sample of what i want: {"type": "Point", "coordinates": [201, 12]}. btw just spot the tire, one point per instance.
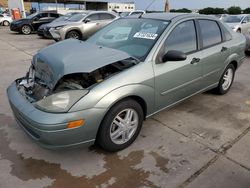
{"type": "Point", "coordinates": [238, 31]}
{"type": "Point", "coordinates": [108, 131]}
{"type": "Point", "coordinates": [6, 23]}
{"type": "Point", "coordinates": [26, 29]}
{"type": "Point", "coordinates": [224, 87]}
{"type": "Point", "coordinates": [74, 35]}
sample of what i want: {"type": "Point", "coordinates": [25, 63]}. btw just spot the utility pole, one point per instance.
{"type": "Point", "coordinates": [22, 9]}
{"type": "Point", "coordinates": [167, 6]}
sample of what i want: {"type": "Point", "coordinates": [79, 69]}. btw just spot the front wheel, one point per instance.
{"type": "Point", "coordinates": [26, 29]}
{"type": "Point", "coordinates": [121, 126]}
{"type": "Point", "coordinates": [74, 35]}
{"type": "Point", "coordinates": [6, 23]}
{"type": "Point", "coordinates": [226, 80]}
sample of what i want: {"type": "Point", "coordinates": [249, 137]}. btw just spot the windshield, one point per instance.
{"type": "Point", "coordinates": [233, 19]}
{"type": "Point", "coordinates": [131, 35]}
{"type": "Point", "coordinates": [65, 17]}
{"type": "Point", "coordinates": [32, 15]}
{"type": "Point", "coordinates": [77, 17]}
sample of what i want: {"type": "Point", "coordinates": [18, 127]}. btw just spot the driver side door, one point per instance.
{"type": "Point", "coordinates": [92, 25]}
{"type": "Point", "coordinates": [176, 80]}
{"type": "Point", "coordinates": [40, 19]}
{"type": "Point", "coordinates": [246, 25]}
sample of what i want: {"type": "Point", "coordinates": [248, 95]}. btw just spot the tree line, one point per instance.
{"type": "Point", "coordinates": [210, 10]}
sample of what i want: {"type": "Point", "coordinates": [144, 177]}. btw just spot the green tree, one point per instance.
{"type": "Point", "coordinates": [210, 10]}
{"type": "Point", "coordinates": [234, 10]}
{"type": "Point", "coordinates": [247, 11]}
{"type": "Point", "coordinates": [184, 10]}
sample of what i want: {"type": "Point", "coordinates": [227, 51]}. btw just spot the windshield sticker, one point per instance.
{"type": "Point", "coordinates": [151, 36]}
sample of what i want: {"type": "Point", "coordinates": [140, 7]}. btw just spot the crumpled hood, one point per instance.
{"type": "Point", "coordinates": [72, 56]}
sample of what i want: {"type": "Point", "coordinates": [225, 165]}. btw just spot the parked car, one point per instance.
{"type": "Point", "coordinates": [248, 43]}
{"type": "Point", "coordinates": [101, 90]}
{"type": "Point", "coordinates": [32, 22]}
{"type": "Point", "coordinates": [5, 20]}
{"type": "Point", "coordinates": [43, 30]}
{"type": "Point", "coordinates": [135, 12]}
{"type": "Point", "coordinates": [239, 23]}
{"type": "Point", "coordinates": [81, 26]}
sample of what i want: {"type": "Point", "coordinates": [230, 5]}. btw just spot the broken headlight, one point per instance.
{"type": "Point", "coordinates": [60, 102]}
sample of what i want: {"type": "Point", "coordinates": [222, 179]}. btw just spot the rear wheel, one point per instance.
{"type": "Point", "coordinates": [26, 29]}
{"type": "Point", "coordinates": [74, 35]}
{"type": "Point", "coordinates": [6, 23]}
{"type": "Point", "coordinates": [226, 80]}
{"type": "Point", "coordinates": [121, 126]}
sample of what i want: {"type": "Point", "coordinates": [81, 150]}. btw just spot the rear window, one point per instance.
{"type": "Point", "coordinates": [211, 33]}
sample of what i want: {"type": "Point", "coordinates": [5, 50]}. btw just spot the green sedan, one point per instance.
{"type": "Point", "coordinates": [101, 90]}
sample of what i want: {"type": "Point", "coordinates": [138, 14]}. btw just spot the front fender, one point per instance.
{"type": "Point", "coordinates": [143, 91]}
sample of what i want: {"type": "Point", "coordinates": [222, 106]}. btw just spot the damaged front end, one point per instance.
{"type": "Point", "coordinates": [60, 96]}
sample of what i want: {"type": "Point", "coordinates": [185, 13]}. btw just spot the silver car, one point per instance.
{"type": "Point", "coordinates": [101, 90]}
{"type": "Point", "coordinates": [5, 20]}
{"type": "Point", "coordinates": [239, 23]}
{"type": "Point", "coordinates": [82, 25]}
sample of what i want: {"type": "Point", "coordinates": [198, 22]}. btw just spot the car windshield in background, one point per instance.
{"type": "Point", "coordinates": [233, 19]}
{"type": "Point", "coordinates": [77, 17]}
{"type": "Point", "coordinates": [134, 36]}
{"type": "Point", "coordinates": [64, 18]}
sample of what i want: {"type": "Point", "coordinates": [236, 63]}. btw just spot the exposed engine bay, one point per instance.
{"type": "Point", "coordinates": [35, 89]}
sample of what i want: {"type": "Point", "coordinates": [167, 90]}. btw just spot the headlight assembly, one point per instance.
{"type": "Point", "coordinates": [60, 102]}
{"type": "Point", "coordinates": [59, 27]}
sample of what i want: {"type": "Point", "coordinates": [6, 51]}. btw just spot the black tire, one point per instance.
{"type": "Point", "coordinates": [6, 23]}
{"type": "Point", "coordinates": [104, 136]}
{"type": "Point", "coordinates": [220, 89]}
{"type": "Point", "coordinates": [74, 35]}
{"type": "Point", "coordinates": [238, 31]}
{"type": "Point", "coordinates": [26, 29]}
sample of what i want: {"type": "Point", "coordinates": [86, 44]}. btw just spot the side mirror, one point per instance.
{"type": "Point", "coordinates": [244, 22]}
{"type": "Point", "coordinates": [173, 55]}
{"type": "Point", "coordinates": [87, 20]}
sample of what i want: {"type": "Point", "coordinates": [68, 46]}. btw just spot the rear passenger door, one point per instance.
{"type": "Point", "coordinates": [215, 51]}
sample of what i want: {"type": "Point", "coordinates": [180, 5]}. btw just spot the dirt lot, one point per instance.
{"type": "Point", "coordinates": [203, 142]}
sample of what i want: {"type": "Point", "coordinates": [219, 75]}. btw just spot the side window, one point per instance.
{"type": "Point", "coordinates": [211, 33]}
{"type": "Point", "coordinates": [182, 38]}
{"type": "Point", "coordinates": [53, 15]}
{"type": "Point", "coordinates": [227, 34]}
{"type": "Point", "coordinates": [105, 16]}
{"type": "Point", "coordinates": [93, 17]}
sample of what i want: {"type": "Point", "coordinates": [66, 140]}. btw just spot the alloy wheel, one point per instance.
{"type": "Point", "coordinates": [124, 126]}
{"type": "Point", "coordinates": [227, 79]}
{"type": "Point", "coordinates": [26, 29]}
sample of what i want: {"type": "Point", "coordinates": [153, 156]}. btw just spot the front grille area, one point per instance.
{"type": "Point", "coordinates": [24, 123]}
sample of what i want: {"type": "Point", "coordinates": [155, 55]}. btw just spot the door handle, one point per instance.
{"type": "Point", "coordinates": [195, 61]}
{"type": "Point", "coordinates": [223, 49]}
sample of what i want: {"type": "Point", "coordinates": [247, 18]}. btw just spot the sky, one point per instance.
{"type": "Point", "coordinates": [192, 4]}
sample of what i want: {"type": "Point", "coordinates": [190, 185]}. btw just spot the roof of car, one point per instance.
{"type": "Point", "coordinates": [169, 16]}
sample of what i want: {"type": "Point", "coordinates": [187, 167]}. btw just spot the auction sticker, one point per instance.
{"type": "Point", "coordinates": [151, 36]}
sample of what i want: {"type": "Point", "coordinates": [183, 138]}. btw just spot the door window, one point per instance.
{"type": "Point", "coordinates": [105, 16]}
{"type": "Point", "coordinates": [210, 32]}
{"type": "Point", "coordinates": [93, 17]}
{"type": "Point", "coordinates": [53, 15]}
{"type": "Point", "coordinates": [182, 38]}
